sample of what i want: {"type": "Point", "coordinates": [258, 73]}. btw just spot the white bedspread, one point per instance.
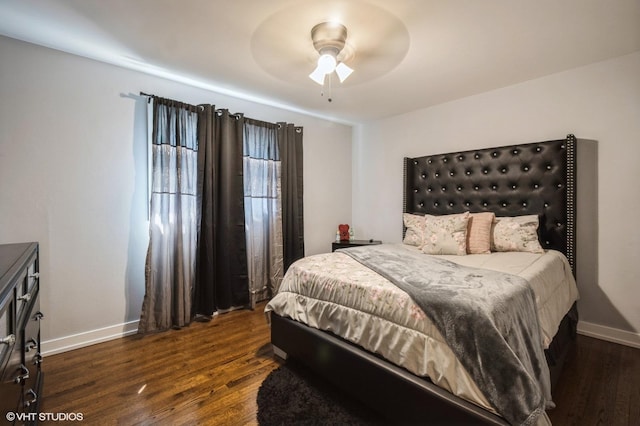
{"type": "Point", "coordinates": [333, 292]}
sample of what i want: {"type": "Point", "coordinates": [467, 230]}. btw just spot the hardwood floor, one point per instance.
{"type": "Point", "coordinates": [600, 386]}
{"type": "Point", "coordinates": [209, 373]}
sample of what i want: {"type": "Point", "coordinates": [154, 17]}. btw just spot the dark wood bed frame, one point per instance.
{"type": "Point", "coordinates": [534, 178]}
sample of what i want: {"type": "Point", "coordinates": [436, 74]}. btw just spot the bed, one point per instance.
{"type": "Point", "coordinates": [343, 317]}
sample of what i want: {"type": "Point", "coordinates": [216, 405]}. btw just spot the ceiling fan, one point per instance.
{"type": "Point", "coordinates": [288, 44]}
{"type": "Point", "coordinates": [329, 39]}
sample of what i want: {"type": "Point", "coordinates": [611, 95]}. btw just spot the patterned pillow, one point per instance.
{"type": "Point", "coordinates": [479, 233]}
{"type": "Point", "coordinates": [446, 234]}
{"type": "Point", "coordinates": [518, 233]}
{"type": "Point", "coordinates": [415, 228]}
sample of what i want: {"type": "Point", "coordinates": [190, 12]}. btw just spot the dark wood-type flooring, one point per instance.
{"type": "Point", "coordinates": [209, 373]}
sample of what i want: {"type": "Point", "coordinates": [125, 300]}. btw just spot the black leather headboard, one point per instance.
{"type": "Point", "coordinates": [533, 178]}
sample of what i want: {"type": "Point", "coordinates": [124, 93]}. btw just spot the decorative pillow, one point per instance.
{"type": "Point", "coordinates": [415, 228]}
{"type": "Point", "coordinates": [518, 233]}
{"type": "Point", "coordinates": [446, 234]}
{"type": "Point", "coordinates": [479, 233]}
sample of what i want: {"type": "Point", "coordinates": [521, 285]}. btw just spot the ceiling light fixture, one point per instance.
{"type": "Point", "coordinates": [329, 40]}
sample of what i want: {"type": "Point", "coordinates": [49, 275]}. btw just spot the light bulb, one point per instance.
{"type": "Point", "coordinates": [326, 63]}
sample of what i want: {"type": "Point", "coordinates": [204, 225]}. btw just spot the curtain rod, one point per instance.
{"type": "Point", "coordinates": [147, 95]}
{"type": "Point", "coordinates": [237, 115]}
{"type": "Point", "coordinates": [201, 107]}
{"type": "Point", "coordinates": [218, 111]}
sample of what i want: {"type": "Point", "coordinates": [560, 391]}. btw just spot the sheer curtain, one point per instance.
{"type": "Point", "coordinates": [222, 282]}
{"type": "Point", "coordinates": [173, 221]}
{"type": "Point", "coordinates": [263, 211]}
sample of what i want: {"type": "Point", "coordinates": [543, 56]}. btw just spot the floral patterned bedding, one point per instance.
{"type": "Point", "coordinates": [335, 293]}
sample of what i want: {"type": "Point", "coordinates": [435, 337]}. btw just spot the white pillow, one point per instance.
{"type": "Point", "coordinates": [518, 233]}
{"type": "Point", "coordinates": [446, 234]}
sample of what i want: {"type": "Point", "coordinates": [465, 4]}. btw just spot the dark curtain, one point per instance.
{"type": "Point", "coordinates": [290, 145]}
{"type": "Point", "coordinates": [221, 279]}
{"type": "Point", "coordinates": [173, 222]}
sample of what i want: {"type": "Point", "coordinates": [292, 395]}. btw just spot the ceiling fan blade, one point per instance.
{"type": "Point", "coordinates": [343, 71]}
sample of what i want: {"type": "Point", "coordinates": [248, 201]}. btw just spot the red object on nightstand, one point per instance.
{"type": "Point", "coordinates": [344, 232]}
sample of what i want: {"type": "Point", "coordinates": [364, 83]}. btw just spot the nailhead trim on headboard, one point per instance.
{"type": "Point", "coordinates": [533, 178]}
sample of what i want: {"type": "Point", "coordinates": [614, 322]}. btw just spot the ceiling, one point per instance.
{"type": "Point", "coordinates": [408, 54]}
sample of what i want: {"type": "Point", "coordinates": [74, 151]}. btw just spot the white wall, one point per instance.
{"type": "Point", "coordinates": [73, 177]}
{"type": "Point", "coordinates": [599, 102]}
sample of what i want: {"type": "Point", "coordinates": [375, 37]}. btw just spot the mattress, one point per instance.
{"type": "Point", "coordinates": [335, 293]}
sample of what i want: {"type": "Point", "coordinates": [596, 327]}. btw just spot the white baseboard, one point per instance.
{"type": "Point", "coordinates": [80, 340]}
{"type": "Point", "coordinates": [609, 334]}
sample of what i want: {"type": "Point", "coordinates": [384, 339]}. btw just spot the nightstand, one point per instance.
{"type": "Point", "coordinates": [353, 243]}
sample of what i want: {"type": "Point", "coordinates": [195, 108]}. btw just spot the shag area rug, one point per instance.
{"type": "Point", "coordinates": [293, 395]}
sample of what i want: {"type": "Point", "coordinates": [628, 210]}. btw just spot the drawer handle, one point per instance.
{"type": "Point", "coordinates": [37, 360]}
{"type": "Point", "coordinates": [9, 340]}
{"type": "Point", "coordinates": [38, 316]}
{"type": "Point", "coordinates": [30, 344]}
{"type": "Point", "coordinates": [25, 297]}
{"type": "Point", "coordinates": [34, 398]}
{"type": "Point", "coordinates": [35, 275]}
{"type": "Point", "coordinates": [22, 377]}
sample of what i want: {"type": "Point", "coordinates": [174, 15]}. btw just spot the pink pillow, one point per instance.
{"type": "Point", "coordinates": [479, 233]}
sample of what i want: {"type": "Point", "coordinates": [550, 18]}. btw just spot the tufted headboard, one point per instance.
{"type": "Point", "coordinates": [533, 178]}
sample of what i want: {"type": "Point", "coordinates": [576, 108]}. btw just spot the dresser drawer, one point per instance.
{"type": "Point", "coordinates": [20, 367]}
{"type": "Point", "coordinates": [33, 276]}
{"type": "Point", "coordinates": [27, 288]}
{"type": "Point", "coordinates": [31, 341]}
{"type": "Point", "coordinates": [32, 357]}
{"type": "Point", "coordinates": [9, 386]}
{"type": "Point", "coordinates": [8, 335]}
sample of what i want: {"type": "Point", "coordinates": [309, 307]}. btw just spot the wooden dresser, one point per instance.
{"type": "Point", "coordinates": [20, 358]}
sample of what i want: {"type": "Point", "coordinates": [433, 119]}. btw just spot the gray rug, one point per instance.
{"type": "Point", "coordinates": [292, 395]}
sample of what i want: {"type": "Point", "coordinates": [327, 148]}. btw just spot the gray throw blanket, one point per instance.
{"type": "Point", "coordinates": [488, 319]}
